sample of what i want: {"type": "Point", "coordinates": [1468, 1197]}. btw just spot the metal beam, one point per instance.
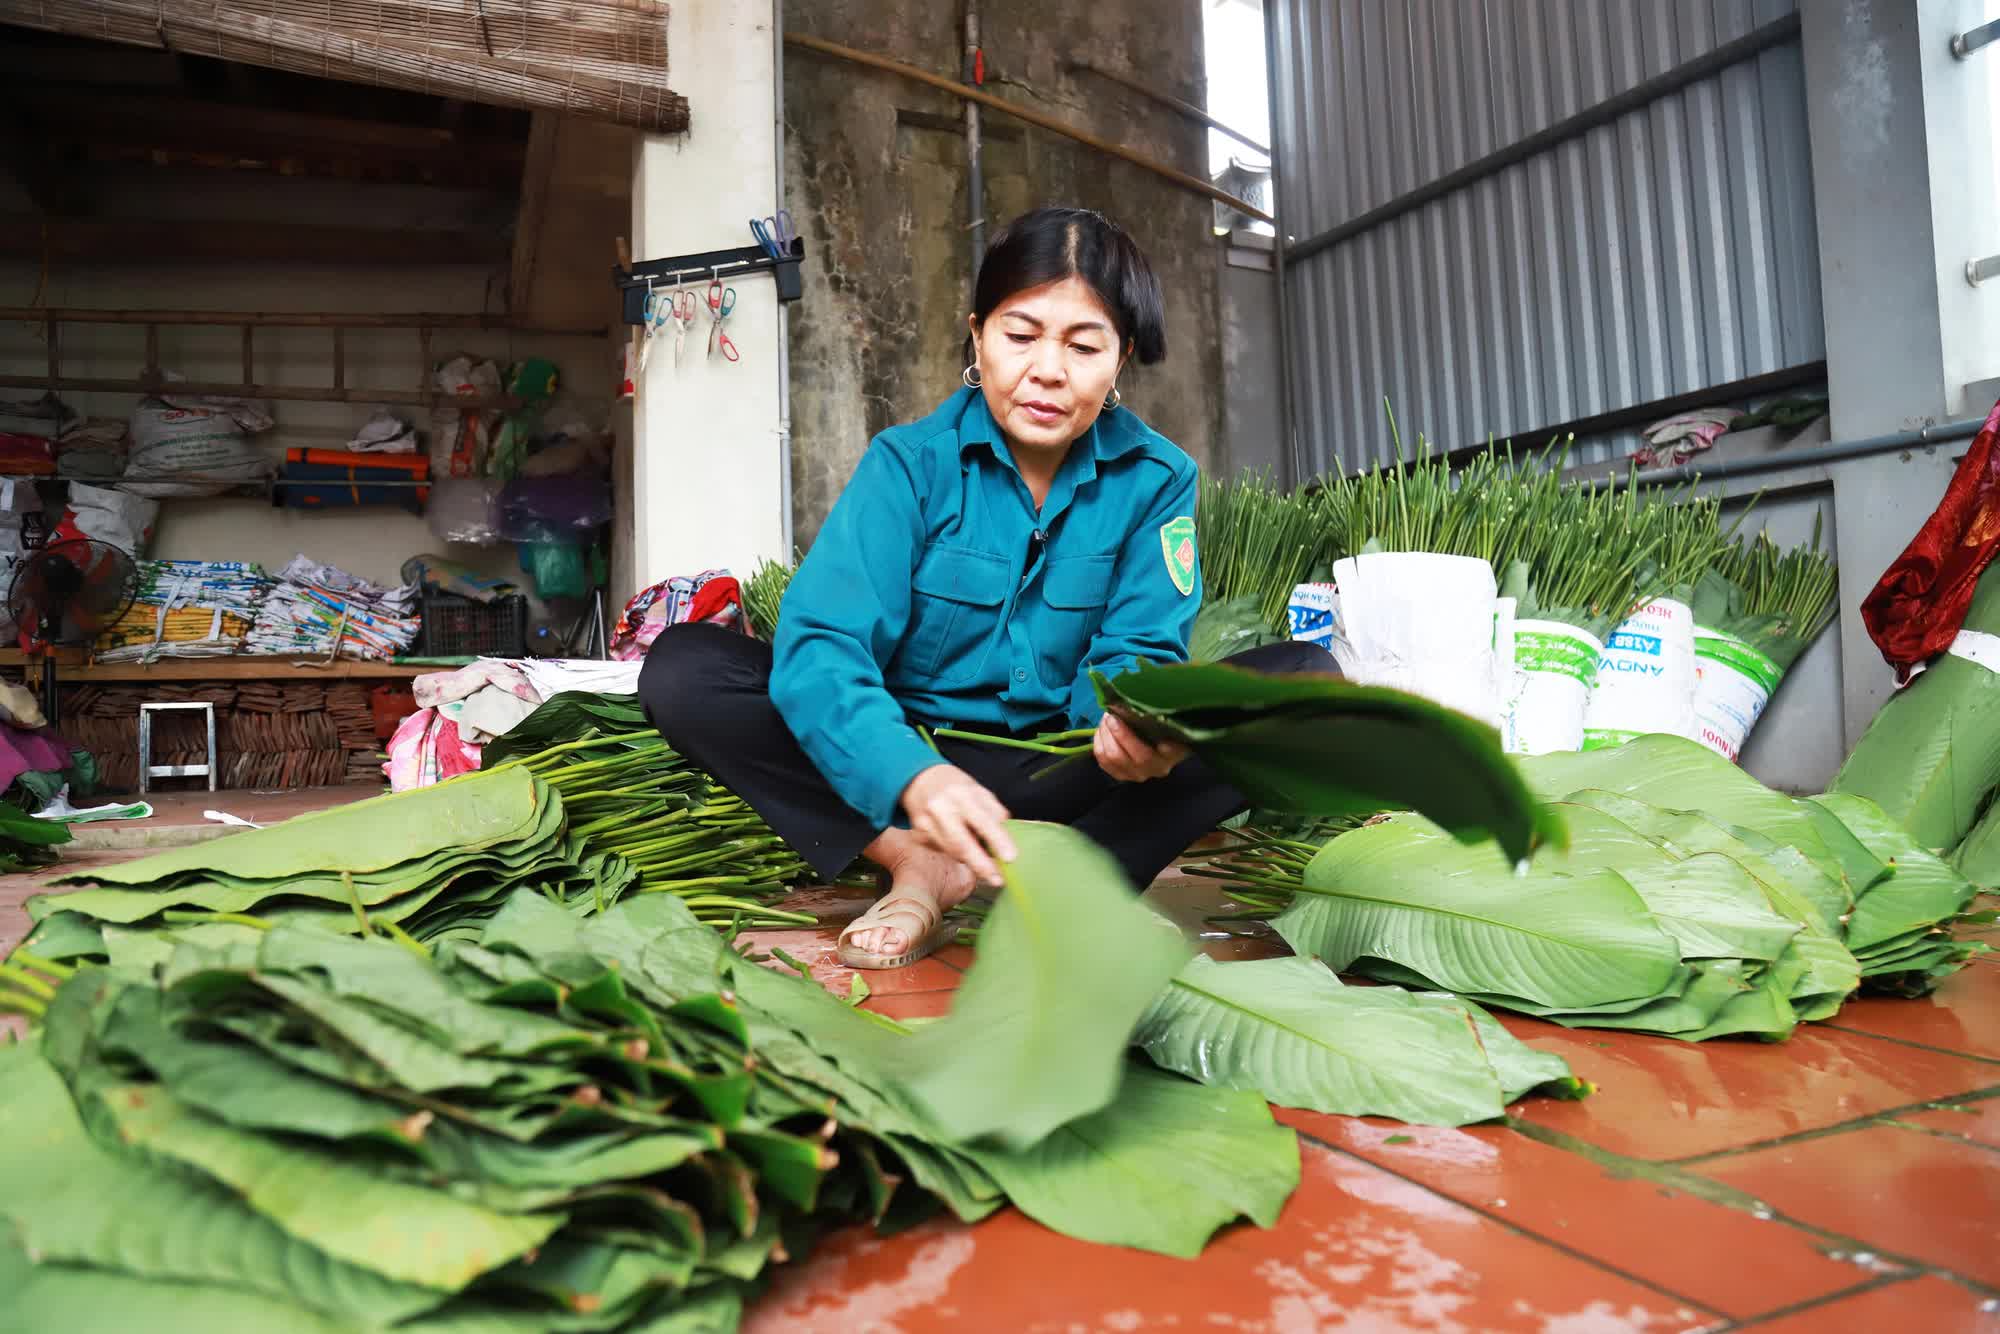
{"type": "Point", "coordinates": [1753, 43]}
{"type": "Point", "coordinates": [1168, 100]}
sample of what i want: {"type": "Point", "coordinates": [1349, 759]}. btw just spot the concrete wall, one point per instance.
{"type": "Point", "coordinates": [875, 172]}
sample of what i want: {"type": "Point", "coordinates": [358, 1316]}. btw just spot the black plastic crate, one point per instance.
{"type": "Point", "coordinates": [456, 627]}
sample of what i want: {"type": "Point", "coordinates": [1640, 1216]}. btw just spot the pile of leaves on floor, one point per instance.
{"type": "Point", "coordinates": [1692, 901]}
{"type": "Point", "coordinates": [605, 1124]}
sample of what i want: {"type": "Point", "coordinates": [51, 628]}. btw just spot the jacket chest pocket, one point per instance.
{"type": "Point", "coordinates": [957, 593]}
{"type": "Point", "coordinates": [1076, 590]}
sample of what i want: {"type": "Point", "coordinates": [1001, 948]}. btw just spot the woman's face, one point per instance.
{"type": "Point", "coordinates": [1047, 357]}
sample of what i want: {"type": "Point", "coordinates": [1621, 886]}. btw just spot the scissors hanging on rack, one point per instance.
{"type": "Point", "coordinates": [775, 234]}
{"type": "Point", "coordinates": [681, 310]}
{"type": "Point", "coordinates": [721, 303]}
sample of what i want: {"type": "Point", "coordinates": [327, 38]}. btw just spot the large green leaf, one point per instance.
{"type": "Point", "coordinates": [68, 1200]}
{"type": "Point", "coordinates": [1403, 890]}
{"type": "Point", "coordinates": [1922, 890]}
{"type": "Point", "coordinates": [401, 1231]}
{"type": "Point", "coordinates": [78, 1299]}
{"type": "Point", "coordinates": [1288, 1030]}
{"type": "Point", "coordinates": [1160, 1169]}
{"type": "Point", "coordinates": [1036, 1030]}
{"type": "Point", "coordinates": [1819, 970]}
{"type": "Point", "coordinates": [1683, 775]}
{"type": "Point", "coordinates": [1708, 902]}
{"type": "Point", "coordinates": [1322, 746]}
{"type": "Point", "coordinates": [475, 811]}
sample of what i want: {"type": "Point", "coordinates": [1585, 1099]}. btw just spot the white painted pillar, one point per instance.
{"type": "Point", "coordinates": [707, 487]}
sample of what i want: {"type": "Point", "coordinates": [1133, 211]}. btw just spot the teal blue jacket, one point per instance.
{"type": "Point", "coordinates": [936, 595]}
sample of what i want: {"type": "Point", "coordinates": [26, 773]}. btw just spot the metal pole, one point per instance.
{"type": "Point", "coordinates": [975, 171]}
{"type": "Point", "coordinates": [785, 515]}
{"type": "Point", "coordinates": [1287, 425]}
{"type": "Point", "coordinates": [1965, 43]}
{"type": "Point", "coordinates": [1978, 271]}
{"type": "Point", "coordinates": [1805, 458]}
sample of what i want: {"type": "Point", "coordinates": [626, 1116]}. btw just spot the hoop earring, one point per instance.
{"type": "Point", "coordinates": [970, 375]}
{"type": "Point", "coordinates": [1113, 399]}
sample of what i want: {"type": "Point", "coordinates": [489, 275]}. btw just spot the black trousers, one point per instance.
{"type": "Point", "coordinates": [708, 691]}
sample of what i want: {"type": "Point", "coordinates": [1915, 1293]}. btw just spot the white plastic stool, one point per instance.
{"type": "Point", "coordinates": [148, 771]}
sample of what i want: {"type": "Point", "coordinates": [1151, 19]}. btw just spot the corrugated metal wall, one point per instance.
{"type": "Point", "coordinates": [1670, 250]}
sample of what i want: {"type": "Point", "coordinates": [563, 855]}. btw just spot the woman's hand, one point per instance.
{"type": "Point", "coordinates": [1126, 757]}
{"type": "Point", "coordinates": [952, 812]}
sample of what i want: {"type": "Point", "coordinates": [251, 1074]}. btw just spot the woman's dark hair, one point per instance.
{"type": "Point", "coordinates": [1050, 244]}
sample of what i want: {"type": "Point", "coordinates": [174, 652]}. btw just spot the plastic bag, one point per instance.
{"type": "Point", "coordinates": [196, 447]}
{"type": "Point", "coordinates": [559, 568]}
{"type": "Point", "coordinates": [124, 520]}
{"type": "Point", "coordinates": [553, 509]}
{"type": "Point", "coordinates": [465, 510]}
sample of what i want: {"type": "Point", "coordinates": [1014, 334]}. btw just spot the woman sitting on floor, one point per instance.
{"type": "Point", "coordinates": [979, 566]}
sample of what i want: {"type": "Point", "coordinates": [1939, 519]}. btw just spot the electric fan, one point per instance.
{"type": "Point", "coordinates": [66, 594]}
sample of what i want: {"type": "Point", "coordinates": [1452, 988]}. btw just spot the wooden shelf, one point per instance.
{"type": "Point", "coordinates": [240, 668]}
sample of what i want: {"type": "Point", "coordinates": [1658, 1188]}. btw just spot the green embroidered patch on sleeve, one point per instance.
{"type": "Point", "coordinates": [1177, 546]}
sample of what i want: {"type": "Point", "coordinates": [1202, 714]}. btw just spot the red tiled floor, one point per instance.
{"type": "Point", "coordinates": [1929, 1304]}
{"type": "Point", "coordinates": [911, 1005]}
{"type": "Point", "coordinates": [1356, 1250]}
{"type": "Point", "coordinates": [818, 949]}
{"type": "Point", "coordinates": [1976, 1121]}
{"type": "Point", "coordinates": [1682, 1243]}
{"type": "Point", "coordinates": [1959, 1016]}
{"type": "Point", "coordinates": [1660, 1099]}
{"type": "Point", "coordinates": [1898, 1190]}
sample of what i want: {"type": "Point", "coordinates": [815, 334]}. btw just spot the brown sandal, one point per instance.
{"type": "Point", "coordinates": [920, 919]}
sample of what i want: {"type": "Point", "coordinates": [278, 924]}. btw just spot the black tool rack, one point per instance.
{"type": "Point", "coordinates": [652, 274]}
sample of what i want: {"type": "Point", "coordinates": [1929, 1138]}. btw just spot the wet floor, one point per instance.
{"type": "Point", "coordinates": [1848, 1179]}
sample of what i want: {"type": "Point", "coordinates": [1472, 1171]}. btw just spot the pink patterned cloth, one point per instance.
{"type": "Point", "coordinates": [426, 750]}
{"type": "Point", "coordinates": [713, 596]}
{"type": "Point", "coordinates": [438, 688]}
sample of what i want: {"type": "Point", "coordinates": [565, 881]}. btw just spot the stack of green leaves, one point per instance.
{"type": "Point", "coordinates": [420, 864]}
{"type": "Point", "coordinates": [631, 795]}
{"type": "Point", "coordinates": [603, 1124]}
{"type": "Point", "coordinates": [1835, 864]}
{"type": "Point", "coordinates": [1691, 900]}
{"type": "Point", "coordinates": [1931, 757]}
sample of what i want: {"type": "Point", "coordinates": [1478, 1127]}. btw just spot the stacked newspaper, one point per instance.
{"type": "Point", "coordinates": [186, 609]}
{"type": "Point", "coordinates": [320, 611]}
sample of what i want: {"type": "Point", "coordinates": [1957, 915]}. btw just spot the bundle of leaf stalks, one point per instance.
{"type": "Point", "coordinates": [419, 865]}
{"type": "Point", "coordinates": [1773, 600]}
{"type": "Point", "coordinates": [764, 596]}
{"type": "Point", "coordinates": [1258, 542]}
{"type": "Point", "coordinates": [632, 796]}
{"type": "Point", "coordinates": [1692, 901]}
{"type": "Point", "coordinates": [611, 1124]}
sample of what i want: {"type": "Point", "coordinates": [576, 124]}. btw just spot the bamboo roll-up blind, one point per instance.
{"type": "Point", "coordinates": [605, 59]}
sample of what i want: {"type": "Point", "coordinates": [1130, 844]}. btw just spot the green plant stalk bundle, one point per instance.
{"type": "Point", "coordinates": [1777, 601]}
{"type": "Point", "coordinates": [631, 795]}
{"type": "Point", "coordinates": [764, 596]}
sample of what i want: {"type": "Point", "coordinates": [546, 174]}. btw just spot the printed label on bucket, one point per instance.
{"type": "Point", "coordinates": [1646, 674]}
{"type": "Point", "coordinates": [1735, 683]}
{"type": "Point", "coordinates": [1554, 665]}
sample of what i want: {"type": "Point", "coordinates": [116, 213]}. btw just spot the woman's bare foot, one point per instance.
{"type": "Point", "coordinates": [915, 871]}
